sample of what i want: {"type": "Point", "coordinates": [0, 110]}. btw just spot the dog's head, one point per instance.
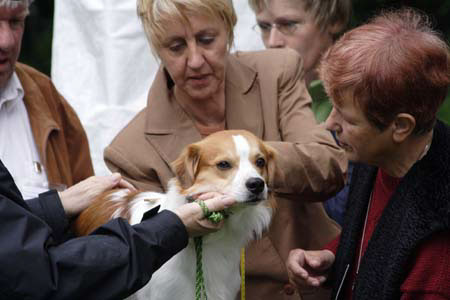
{"type": "Point", "coordinates": [234, 162]}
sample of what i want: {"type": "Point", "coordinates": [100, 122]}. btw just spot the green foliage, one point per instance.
{"type": "Point", "coordinates": [37, 39]}
{"type": "Point", "coordinates": [438, 10]}
{"type": "Point", "coordinates": [444, 112]}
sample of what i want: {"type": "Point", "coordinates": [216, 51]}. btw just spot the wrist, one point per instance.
{"type": "Point", "coordinates": [66, 203]}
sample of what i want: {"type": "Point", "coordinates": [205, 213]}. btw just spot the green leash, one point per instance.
{"type": "Point", "coordinates": [215, 217]}
{"type": "Point", "coordinates": [200, 290]}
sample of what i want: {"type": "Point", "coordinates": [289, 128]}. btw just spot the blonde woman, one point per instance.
{"type": "Point", "coordinates": [201, 88]}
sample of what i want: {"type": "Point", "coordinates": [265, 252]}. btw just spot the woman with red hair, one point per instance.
{"type": "Point", "coordinates": [387, 80]}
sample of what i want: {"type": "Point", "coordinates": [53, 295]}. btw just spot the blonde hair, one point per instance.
{"type": "Point", "coordinates": [326, 13]}
{"type": "Point", "coordinates": [155, 13]}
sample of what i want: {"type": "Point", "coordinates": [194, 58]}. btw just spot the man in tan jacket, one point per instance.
{"type": "Point", "coordinates": [42, 141]}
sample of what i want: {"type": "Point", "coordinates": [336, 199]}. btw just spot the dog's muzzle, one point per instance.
{"type": "Point", "coordinates": [255, 186]}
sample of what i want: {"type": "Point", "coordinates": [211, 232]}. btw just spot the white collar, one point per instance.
{"type": "Point", "coordinates": [12, 91]}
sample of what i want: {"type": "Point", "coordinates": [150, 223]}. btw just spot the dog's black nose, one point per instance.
{"type": "Point", "coordinates": [255, 185]}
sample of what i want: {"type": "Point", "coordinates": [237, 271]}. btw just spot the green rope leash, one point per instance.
{"type": "Point", "coordinates": [200, 290]}
{"type": "Point", "coordinates": [215, 217]}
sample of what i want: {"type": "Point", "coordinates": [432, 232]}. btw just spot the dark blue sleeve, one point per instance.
{"type": "Point", "coordinates": [113, 262]}
{"type": "Point", "coordinates": [335, 206]}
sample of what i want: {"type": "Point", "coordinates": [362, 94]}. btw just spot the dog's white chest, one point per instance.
{"type": "Point", "coordinates": [220, 259]}
{"type": "Point", "coordinates": [176, 279]}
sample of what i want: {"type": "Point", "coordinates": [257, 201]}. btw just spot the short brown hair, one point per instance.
{"type": "Point", "coordinates": [326, 13]}
{"type": "Point", "coordinates": [394, 64]}
{"type": "Point", "coordinates": [154, 13]}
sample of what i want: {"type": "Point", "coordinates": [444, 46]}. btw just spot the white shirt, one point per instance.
{"type": "Point", "coordinates": [18, 149]}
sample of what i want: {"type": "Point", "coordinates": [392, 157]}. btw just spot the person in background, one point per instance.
{"type": "Point", "coordinates": [309, 27]}
{"type": "Point", "coordinates": [112, 263]}
{"type": "Point", "coordinates": [387, 80]}
{"type": "Point", "coordinates": [42, 141]}
{"type": "Point", "coordinates": [202, 88]}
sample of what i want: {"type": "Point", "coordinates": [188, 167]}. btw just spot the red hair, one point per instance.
{"type": "Point", "coordinates": [394, 64]}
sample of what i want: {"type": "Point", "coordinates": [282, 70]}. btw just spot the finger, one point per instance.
{"type": "Point", "coordinates": [125, 184]}
{"type": "Point", "coordinates": [313, 261]}
{"type": "Point", "coordinates": [318, 260]}
{"type": "Point", "coordinates": [219, 203]}
{"type": "Point", "coordinates": [297, 270]}
{"type": "Point", "coordinates": [115, 177]}
{"type": "Point", "coordinates": [296, 261]}
{"type": "Point", "coordinates": [208, 195]}
{"type": "Point", "coordinates": [321, 279]}
{"type": "Point", "coordinates": [297, 282]}
{"type": "Point", "coordinates": [316, 280]}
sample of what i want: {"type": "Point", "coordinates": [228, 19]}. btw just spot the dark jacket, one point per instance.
{"type": "Point", "coordinates": [418, 208]}
{"type": "Point", "coordinates": [113, 262]}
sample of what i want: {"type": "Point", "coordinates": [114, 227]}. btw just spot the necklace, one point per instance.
{"type": "Point", "coordinates": [362, 240]}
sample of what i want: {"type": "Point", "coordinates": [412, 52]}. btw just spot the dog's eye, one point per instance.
{"type": "Point", "coordinates": [223, 165]}
{"type": "Point", "coordinates": [260, 162]}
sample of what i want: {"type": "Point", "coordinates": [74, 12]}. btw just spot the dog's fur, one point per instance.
{"type": "Point", "coordinates": [233, 162]}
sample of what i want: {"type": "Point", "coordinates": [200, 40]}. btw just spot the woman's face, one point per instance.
{"type": "Point", "coordinates": [360, 140]}
{"type": "Point", "coordinates": [194, 54]}
{"type": "Point", "coordinates": [307, 38]}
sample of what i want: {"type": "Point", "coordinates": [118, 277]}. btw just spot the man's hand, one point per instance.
{"type": "Point", "coordinates": [192, 214]}
{"type": "Point", "coordinates": [76, 198]}
{"type": "Point", "coordinates": [308, 268]}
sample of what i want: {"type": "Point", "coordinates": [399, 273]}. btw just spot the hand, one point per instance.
{"type": "Point", "coordinates": [308, 268]}
{"type": "Point", "coordinates": [192, 214]}
{"type": "Point", "coordinates": [76, 198]}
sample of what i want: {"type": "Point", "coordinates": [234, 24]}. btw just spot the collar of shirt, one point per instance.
{"type": "Point", "coordinates": [13, 91]}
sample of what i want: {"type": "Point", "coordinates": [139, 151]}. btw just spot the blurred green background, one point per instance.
{"type": "Point", "coordinates": [37, 40]}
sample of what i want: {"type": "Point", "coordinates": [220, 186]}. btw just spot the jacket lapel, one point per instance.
{"type": "Point", "coordinates": [168, 128]}
{"type": "Point", "coordinates": [41, 121]}
{"type": "Point", "coordinates": [243, 99]}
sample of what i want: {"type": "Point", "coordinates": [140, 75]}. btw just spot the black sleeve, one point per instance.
{"type": "Point", "coordinates": [111, 263]}
{"type": "Point", "coordinates": [49, 208]}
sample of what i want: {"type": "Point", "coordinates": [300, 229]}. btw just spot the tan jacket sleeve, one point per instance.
{"type": "Point", "coordinates": [309, 160]}
{"type": "Point", "coordinates": [117, 161]}
{"type": "Point", "coordinates": [131, 155]}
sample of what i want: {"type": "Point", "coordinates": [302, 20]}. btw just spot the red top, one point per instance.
{"type": "Point", "coordinates": [429, 278]}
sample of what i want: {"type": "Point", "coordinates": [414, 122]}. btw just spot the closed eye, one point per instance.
{"type": "Point", "coordinates": [223, 165]}
{"type": "Point", "coordinates": [264, 26]}
{"type": "Point", "coordinates": [177, 47]}
{"type": "Point", "coordinates": [206, 40]}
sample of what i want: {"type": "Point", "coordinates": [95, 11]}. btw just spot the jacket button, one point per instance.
{"type": "Point", "coordinates": [289, 289]}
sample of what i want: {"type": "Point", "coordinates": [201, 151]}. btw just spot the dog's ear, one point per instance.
{"type": "Point", "coordinates": [272, 167]}
{"type": "Point", "coordinates": [186, 164]}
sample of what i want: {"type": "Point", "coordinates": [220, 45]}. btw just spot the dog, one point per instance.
{"type": "Point", "coordinates": [233, 162]}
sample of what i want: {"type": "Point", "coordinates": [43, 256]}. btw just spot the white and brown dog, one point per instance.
{"type": "Point", "coordinates": [233, 162]}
